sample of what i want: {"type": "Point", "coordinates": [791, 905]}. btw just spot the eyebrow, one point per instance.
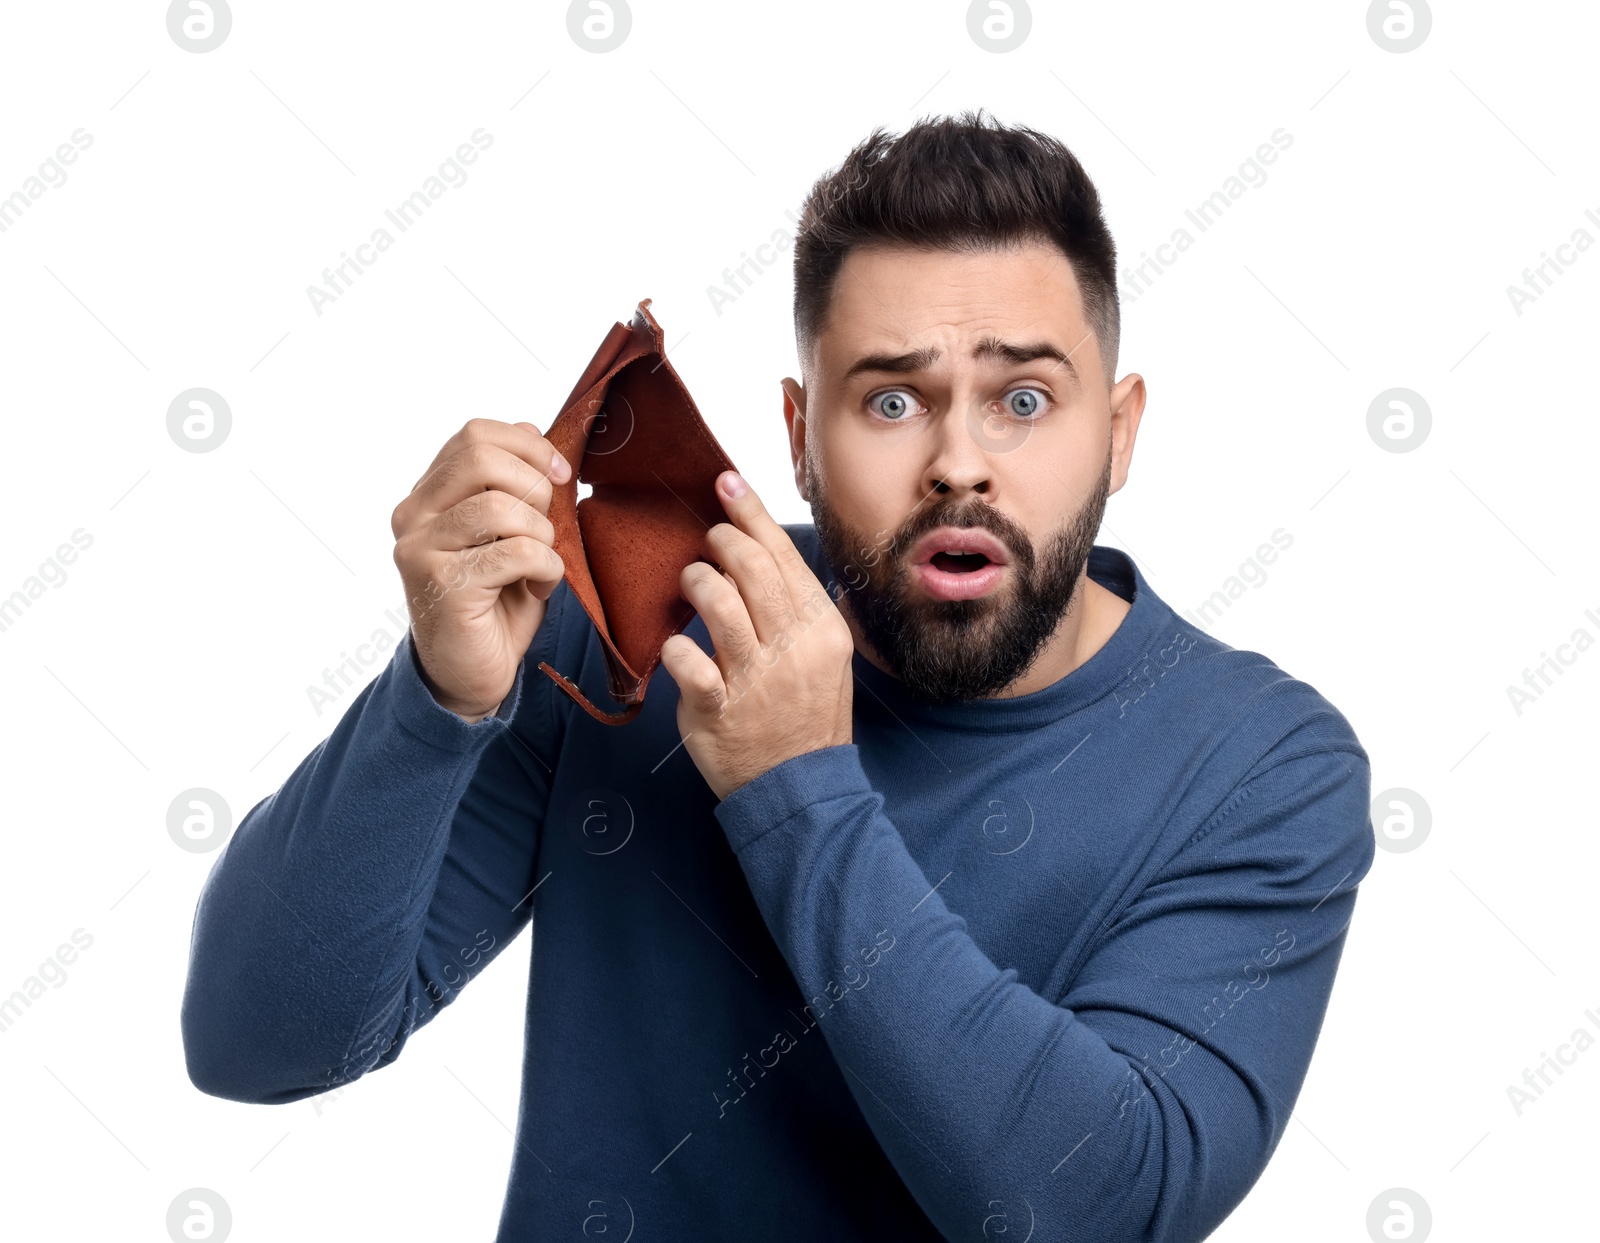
{"type": "Point", "coordinates": [989, 347]}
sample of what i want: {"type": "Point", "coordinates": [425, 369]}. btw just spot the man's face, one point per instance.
{"type": "Point", "coordinates": [957, 443]}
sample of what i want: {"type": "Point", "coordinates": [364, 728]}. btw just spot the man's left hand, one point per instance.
{"type": "Point", "coordinates": [781, 683]}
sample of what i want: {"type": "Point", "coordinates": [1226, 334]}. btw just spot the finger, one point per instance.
{"type": "Point", "coordinates": [756, 577]}
{"type": "Point", "coordinates": [745, 510]}
{"type": "Point", "coordinates": [483, 516]}
{"type": "Point", "coordinates": [469, 452]}
{"type": "Point", "coordinates": [522, 439]}
{"type": "Point", "coordinates": [499, 563]}
{"type": "Point", "coordinates": [721, 606]}
{"type": "Point", "coordinates": [474, 470]}
{"type": "Point", "coordinates": [700, 684]}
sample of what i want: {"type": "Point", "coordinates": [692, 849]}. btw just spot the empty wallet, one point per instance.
{"type": "Point", "coordinates": [632, 433]}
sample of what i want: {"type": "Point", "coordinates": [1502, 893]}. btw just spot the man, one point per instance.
{"type": "Point", "coordinates": [962, 889]}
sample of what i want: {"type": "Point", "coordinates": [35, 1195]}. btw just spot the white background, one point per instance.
{"type": "Point", "coordinates": [219, 585]}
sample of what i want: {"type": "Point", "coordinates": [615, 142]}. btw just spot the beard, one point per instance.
{"type": "Point", "coordinates": [959, 649]}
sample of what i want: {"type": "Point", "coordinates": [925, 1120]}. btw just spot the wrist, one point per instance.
{"type": "Point", "coordinates": [470, 713]}
{"type": "Point", "coordinates": [472, 718]}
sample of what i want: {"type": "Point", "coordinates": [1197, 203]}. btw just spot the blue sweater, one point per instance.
{"type": "Point", "coordinates": [1050, 966]}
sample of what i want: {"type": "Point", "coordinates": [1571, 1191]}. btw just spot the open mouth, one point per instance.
{"type": "Point", "coordinates": [959, 562]}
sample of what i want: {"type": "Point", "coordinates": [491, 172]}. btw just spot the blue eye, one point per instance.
{"type": "Point", "coordinates": [895, 404]}
{"type": "Point", "coordinates": [1024, 402]}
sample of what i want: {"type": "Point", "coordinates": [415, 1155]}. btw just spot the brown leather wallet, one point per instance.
{"type": "Point", "coordinates": [631, 432]}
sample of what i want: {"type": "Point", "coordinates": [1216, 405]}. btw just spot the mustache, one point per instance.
{"type": "Point", "coordinates": [980, 514]}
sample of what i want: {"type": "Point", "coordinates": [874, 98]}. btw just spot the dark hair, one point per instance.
{"type": "Point", "coordinates": [965, 183]}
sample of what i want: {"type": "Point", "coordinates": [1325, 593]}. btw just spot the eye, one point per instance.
{"type": "Point", "coordinates": [893, 405]}
{"type": "Point", "coordinates": [1025, 403]}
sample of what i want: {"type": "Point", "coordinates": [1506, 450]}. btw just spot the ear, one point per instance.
{"type": "Point", "coordinates": [1127, 408]}
{"type": "Point", "coordinates": [794, 418]}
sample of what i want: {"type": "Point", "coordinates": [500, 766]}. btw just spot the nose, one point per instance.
{"type": "Point", "coordinates": [957, 464]}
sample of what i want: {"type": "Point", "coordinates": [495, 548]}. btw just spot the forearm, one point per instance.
{"type": "Point", "coordinates": [303, 961]}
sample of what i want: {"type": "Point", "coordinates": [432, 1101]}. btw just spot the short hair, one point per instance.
{"type": "Point", "coordinates": [964, 183]}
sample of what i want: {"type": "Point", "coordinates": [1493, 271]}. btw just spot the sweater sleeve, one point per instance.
{"type": "Point", "coordinates": [356, 901]}
{"type": "Point", "coordinates": [1143, 1103]}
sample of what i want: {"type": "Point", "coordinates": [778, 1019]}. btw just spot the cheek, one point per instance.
{"type": "Point", "coordinates": [1062, 461]}
{"type": "Point", "coordinates": [871, 484]}
{"type": "Point", "coordinates": [1042, 494]}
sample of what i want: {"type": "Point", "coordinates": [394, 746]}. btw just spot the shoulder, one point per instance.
{"type": "Point", "coordinates": [1296, 790]}
{"type": "Point", "coordinates": [1275, 770]}
{"type": "Point", "coordinates": [1283, 715]}
{"type": "Point", "coordinates": [1244, 699]}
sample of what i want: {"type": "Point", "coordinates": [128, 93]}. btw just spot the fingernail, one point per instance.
{"type": "Point", "coordinates": [560, 468]}
{"type": "Point", "coordinates": [733, 485]}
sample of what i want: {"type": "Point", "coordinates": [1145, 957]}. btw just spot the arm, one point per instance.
{"type": "Point", "coordinates": [1134, 1107]}
{"type": "Point", "coordinates": [354, 903]}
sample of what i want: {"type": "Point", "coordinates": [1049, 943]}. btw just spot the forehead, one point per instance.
{"type": "Point", "coordinates": [903, 296]}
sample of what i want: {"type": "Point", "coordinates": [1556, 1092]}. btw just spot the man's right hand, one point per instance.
{"type": "Point", "coordinates": [475, 552]}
